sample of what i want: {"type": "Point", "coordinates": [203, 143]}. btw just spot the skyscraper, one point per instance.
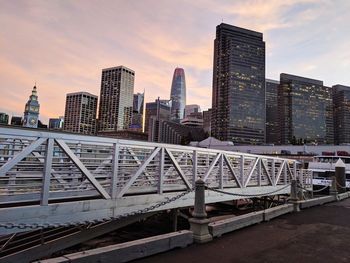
{"type": "Point", "coordinates": [305, 110]}
{"type": "Point", "coordinates": [80, 113]}
{"type": "Point", "coordinates": [116, 99]}
{"type": "Point", "coordinates": [137, 111]}
{"type": "Point", "coordinates": [178, 95]}
{"type": "Point", "coordinates": [341, 102]}
{"type": "Point", "coordinates": [4, 118]}
{"type": "Point", "coordinates": [272, 121]}
{"type": "Point", "coordinates": [31, 111]}
{"type": "Point", "coordinates": [238, 102]}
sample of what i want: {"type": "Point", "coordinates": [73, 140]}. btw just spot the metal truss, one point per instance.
{"type": "Point", "coordinates": [52, 177]}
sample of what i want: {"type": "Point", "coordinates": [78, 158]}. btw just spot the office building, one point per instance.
{"type": "Point", "coordinates": [31, 110]}
{"type": "Point", "coordinates": [16, 121]}
{"type": "Point", "coordinates": [56, 123]}
{"type": "Point", "coordinates": [305, 111]}
{"type": "Point", "coordinates": [178, 95]}
{"type": "Point", "coordinates": [116, 99]}
{"type": "Point", "coordinates": [192, 109]}
{"type": "Point", "coordinates": [272, 121]}
{"type": "Point", "coordinates": [4, 118]}
{"type": "Point", "coordinates": [238, 102]}
{"type": "Point", "coordinates": [341, 102]}
{"type": "Point", "coordinates": [80, 113]}
{"type": "Point", "coordinates": [207, 121]}
{"type": "Point", "coordinates": [137, 112]}
{"type": "Point", "coordinates": [159, 109]}
{"type": "Point", "coordinates": [174, 133]}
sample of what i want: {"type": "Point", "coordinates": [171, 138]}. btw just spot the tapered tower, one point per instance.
{"type": "Point", "coordinates": [178, 95]}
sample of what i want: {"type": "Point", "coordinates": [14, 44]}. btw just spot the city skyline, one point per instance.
{"type": "Point", "coordinates": [59, 46]}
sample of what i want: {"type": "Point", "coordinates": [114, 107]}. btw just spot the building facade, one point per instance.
{"type": "Point", "coordinates": [4, 118]}
{"type": "Point", "coordinates": [137, 112]}
{"type": "Point", "coordinates": [158, 110]}
{"type": "Point", "coordinates": [272, 121]}
{"type": "Point", "coordinates": [192, 109]}
{"type": "Point", "coordinates": [341, 102]}
{"type": "Point", "coordinates": [174, 133]}
{"type": "Point", "coordinates": [305, 111]}
{"type": "Point", "coordinates": [56, 123]}
{"type": "Point", "coordinates": [80, 113]}
{"type": "Point", "coordinates": [116, 99]}
{"type": "Point", "coordinates": [207, 121]}
{"type": "Point", "coordinates": [31, 110]}
{"type": "Point", "coordinates": [178, 95]}
{"type": "Point", "coordinates": [238, 102]}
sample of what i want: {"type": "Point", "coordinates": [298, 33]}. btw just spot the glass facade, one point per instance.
{"type": "Point", "coordinates": [272, 123]}
{"type": "Point", "coordinates": [178, 95]}
{"type": "Point", "coordinates": [306, 111]}
{"type": "Point", "coordinates": [341, 102]}
{"type": "Point", "coordinates": [238, 102]}
{"type": "Point", "coordinates": [116, 99]}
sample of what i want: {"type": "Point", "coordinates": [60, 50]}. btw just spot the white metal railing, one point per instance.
{"type": "Point", "coordinates": [44, 166]}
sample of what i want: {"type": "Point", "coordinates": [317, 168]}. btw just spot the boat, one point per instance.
{"type": "Point", "coordinates": [323, 168]}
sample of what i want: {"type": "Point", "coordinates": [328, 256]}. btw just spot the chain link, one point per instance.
{"type": "Point", "coordinates": [246, 195]}
{"type": "Point", "coordinates": [312, 191]}
{"type": "Point", "coordinates": [95, 221]}
{"type": "Point", "coordinates": [340, 186]}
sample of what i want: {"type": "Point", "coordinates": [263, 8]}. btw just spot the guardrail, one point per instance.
{"type": "Point", "coordinates": [42, 166]}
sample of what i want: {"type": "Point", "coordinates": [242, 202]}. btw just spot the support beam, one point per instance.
{"type": "Point", "coordinates": [238, 182]}
{"type": "Point", "coordinates": [267, 172]}
{"type": "Point", "coordinates": [45, 190]}
{"type": "Point", "coordinates": [178, 169]}
{"type": "Point", "coordinates": [251, 172]}
{"type": "Point", "coordinates": [82, 168]}
{"type": "Point", "coordinates": [161, 171]}
{"type": "Point", "coordinates": [138, 172]}
{"type": "Point", "coordinates": [115, 167]}
{"type": "Point", "coordinates": [212, 165]}
{"type": "Point", "coordinates": [20, 156]}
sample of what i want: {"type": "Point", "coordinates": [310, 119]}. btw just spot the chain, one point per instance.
{"type": "Point", "coordinates": [340, 186]}
{"type": "Point", "coordinates": [246, 195]}
{"type": "Point", "coordinates": [96, 221]}
{"type": "Point", "coordinates": [313, 191]}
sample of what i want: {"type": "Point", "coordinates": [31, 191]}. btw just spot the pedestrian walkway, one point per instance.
{"type": "Point", "coordinates": [318, 234]}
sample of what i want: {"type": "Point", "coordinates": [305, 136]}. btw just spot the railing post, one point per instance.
{"type": "Point", "coordinates": [195, 167]}
{"type": "Point", "coordinates": [45, 190]}
{"type": "Point", "coordinates": [273, 172]}
{"type": "Point", "coordinates": [333, 187]}
{"type": "Point", "coordinates": [199, 222]}
{"type": "Point", "coordinates": [161, 171]}
{"type": "Point", "coordinates": [115, 167]}
{"type": "Point", "coordinates": [221, 172]}
{"type": "Point", "coordinates": [242, 170]}
{"type": "Point", "coordinates": [259, 171]}
{"type": "Point", "coordinates": [340, 179]}
{"type": "Point", "coordinates": [294, 195]}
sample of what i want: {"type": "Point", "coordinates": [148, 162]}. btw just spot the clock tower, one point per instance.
{"type": "Point", "coordinates": [31, 111]}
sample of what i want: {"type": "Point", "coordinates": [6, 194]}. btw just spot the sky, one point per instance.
{"type": "Point", "coordinates": [62, 45]}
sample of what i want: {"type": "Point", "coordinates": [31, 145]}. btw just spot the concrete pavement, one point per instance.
{"type": "Point", "coordinates": [318, 234]}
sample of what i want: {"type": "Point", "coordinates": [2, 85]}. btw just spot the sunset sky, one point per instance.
{"type": "Point", "coordinates": [63, 45]}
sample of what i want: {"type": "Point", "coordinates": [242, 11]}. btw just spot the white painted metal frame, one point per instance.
{"type": "Point", "coordinates": [46, 167]}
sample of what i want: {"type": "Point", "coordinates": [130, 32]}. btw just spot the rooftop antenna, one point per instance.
{"type": "Point", "coordinates": [222, 20]}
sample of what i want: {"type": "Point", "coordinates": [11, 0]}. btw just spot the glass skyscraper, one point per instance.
{"type": "Point", "coordinates": [341, 101]}
{"type": "Point", "coordinates": [178, 95]}
{"type": "Point", "coordinates": [306, 111]}
{"type": "Point", "coordinates": [238, 102]}
{"type": "Point", "coordinates": [272, 123]}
